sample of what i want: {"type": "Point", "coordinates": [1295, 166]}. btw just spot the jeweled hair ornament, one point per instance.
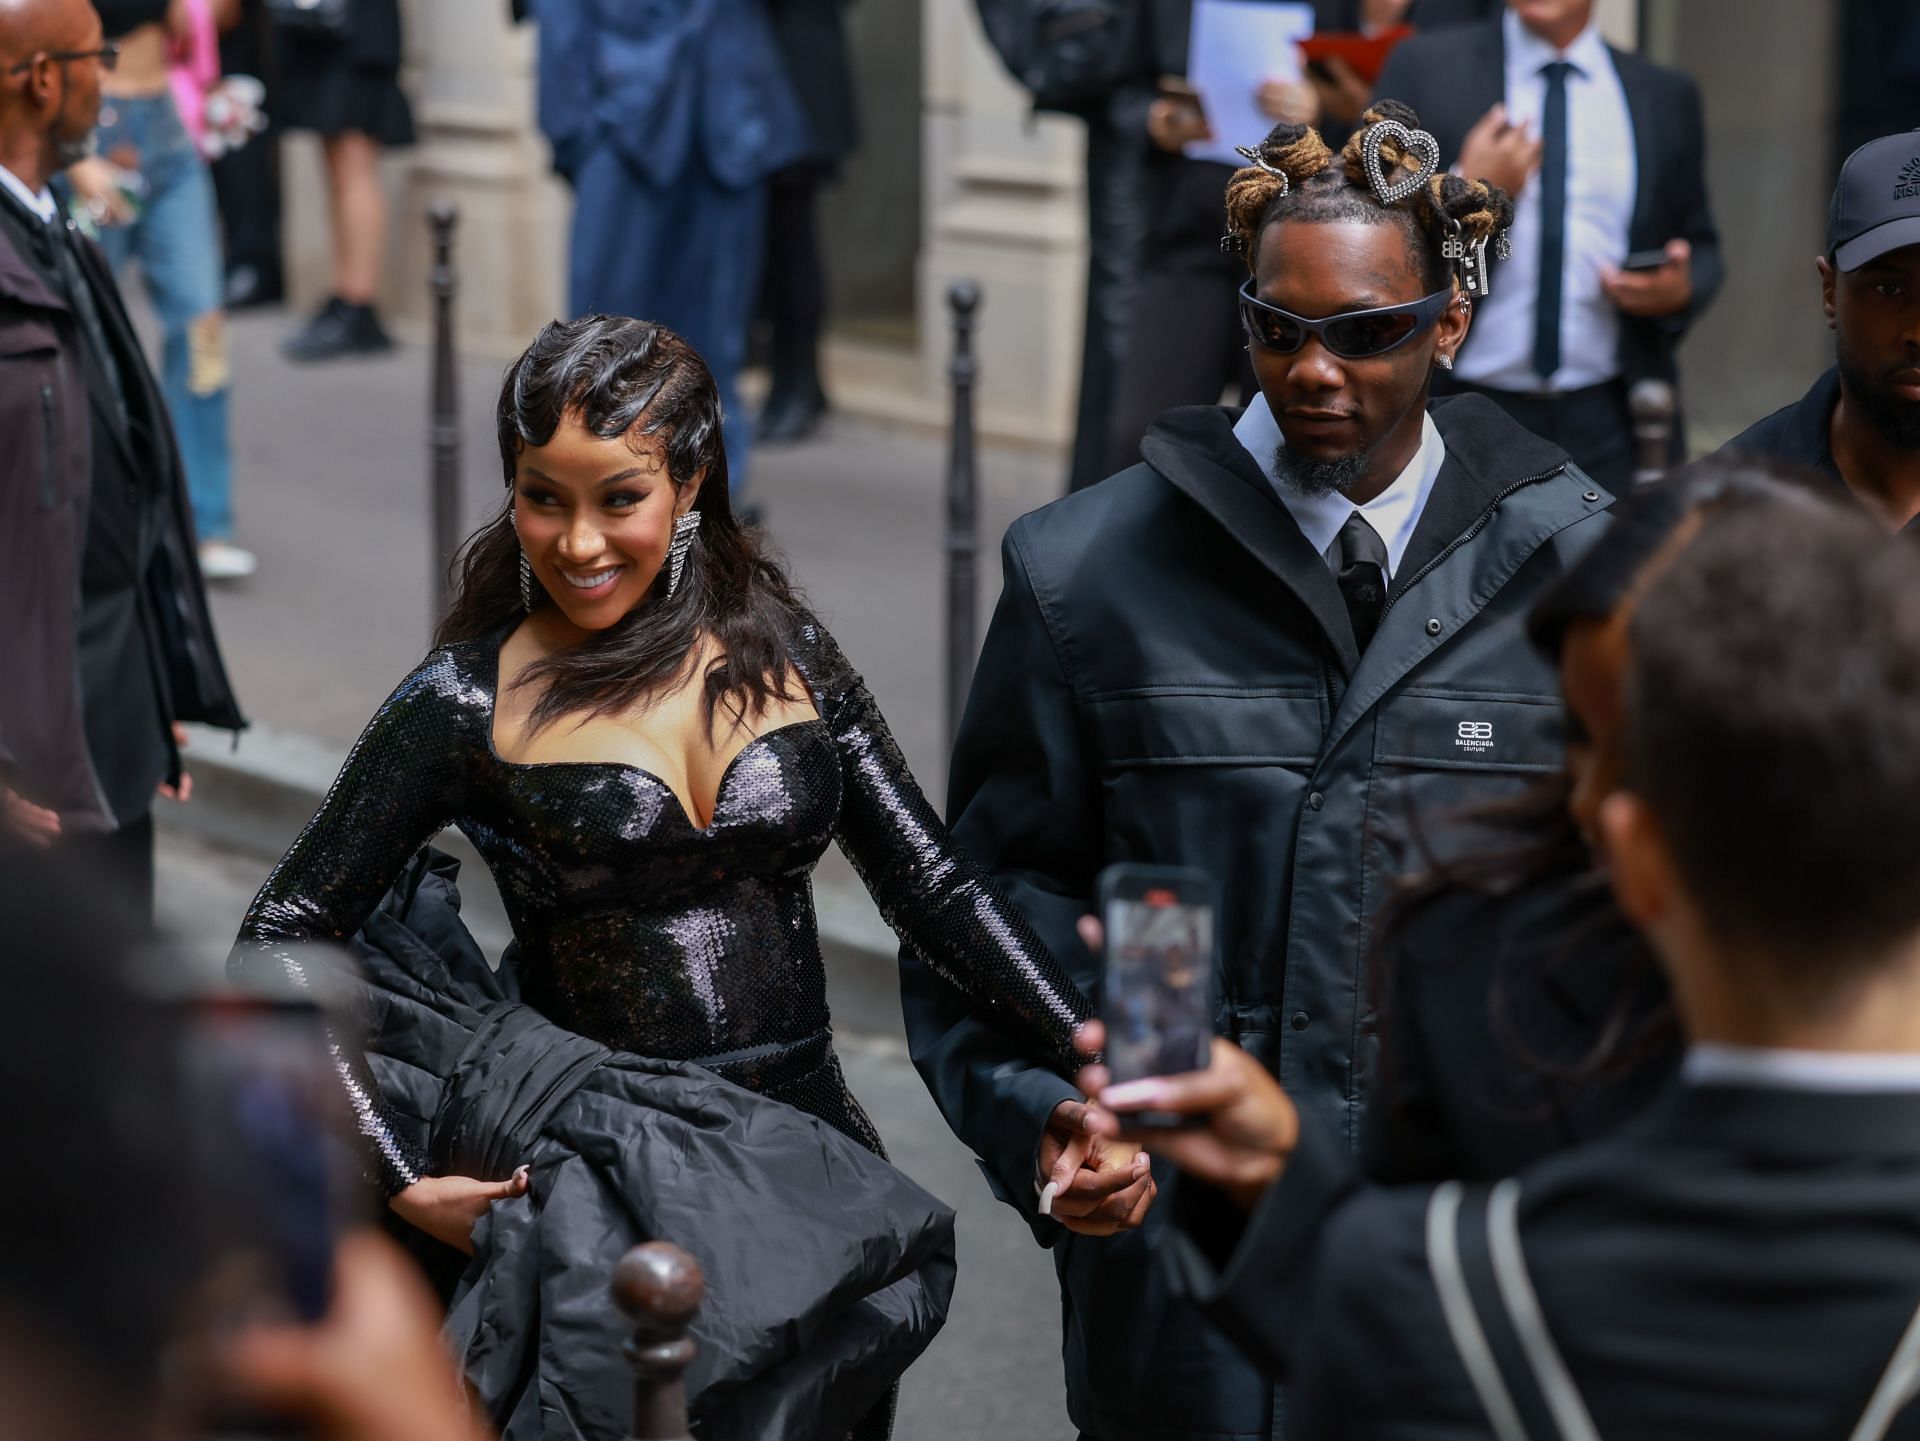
{"type": "Point", "coordinates": [1255, 158]}
{"type": "Point", "coordinates": [1415, 142]}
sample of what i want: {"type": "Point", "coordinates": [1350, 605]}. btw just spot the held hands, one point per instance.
{"type": "Point", "coordinates": [1650, 294]}
{"type": "Point", "coordinates": [1249, 1125]}
{"type": "Point", "coordinates": [446, 1207]}
{"type": "Point", "coordinates": [1498, 153]}
{"type": "Point", "coordinates": [1103, 1184]}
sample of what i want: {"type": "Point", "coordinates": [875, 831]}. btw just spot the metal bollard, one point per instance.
{"type": "Point", "coordinates": [1652, 405]}
{"type": "Point", "coordinates": [444, 410]}
{"type": "Point", "coordinates": [963, 488]}
{"type": "Point", "coordinates": [658, 1286]}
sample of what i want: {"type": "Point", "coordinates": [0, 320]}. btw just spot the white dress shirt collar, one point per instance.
{"type": "Point", "coordinates": [1710, 1064]}
{"type": "Point", "coordinates": [41, 205]}
{"type": "Point", "coordinates": [1527, 52]}
{"type": "Point", "coordinates": [1393, 513]}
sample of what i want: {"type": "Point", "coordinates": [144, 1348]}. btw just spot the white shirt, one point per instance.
{"type": "Point", "coordinates": [41, 205]}
{"type": "Point", "coordinates": [1393, 513]}
{"type": "Point", "coordinates": [1830, 1071]}
{"type": "Point", "coordinates": [1602, 184]}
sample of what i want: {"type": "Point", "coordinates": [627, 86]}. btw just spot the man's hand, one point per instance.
{"type": "Point", "coordinates": [1176, 121]}
{"type": "Point", "coordinates": [1294, 101]}
{"type": "Point", "coordinates": [446, 1207]}
{"type": "Point", "coordinates": [25, 821]}
{"type": "Point", "coordinates": [1103, 1184]}
{"type": "Point", "coordinates": [1250, 1126]}
{"type": "Point", "coordinates": [1498, 153]}
{"type": "Point", "coordinates": [372, 1370]}
{"type": "Point", "coordinates": [184, 791]}
{"type": "Point", "coordinates": [1650, 294]}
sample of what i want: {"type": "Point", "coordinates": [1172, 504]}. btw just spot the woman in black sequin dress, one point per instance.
{"type": "Point", "coordinates": [651, 756]}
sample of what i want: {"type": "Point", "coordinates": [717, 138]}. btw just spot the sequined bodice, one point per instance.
{"type": "Point", "coordinates": [640, 929]}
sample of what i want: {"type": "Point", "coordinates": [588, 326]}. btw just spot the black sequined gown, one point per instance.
{"type": "Point", "coordinates": [641, 930]}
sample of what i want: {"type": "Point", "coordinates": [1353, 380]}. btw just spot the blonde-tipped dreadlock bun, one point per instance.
{"type": "Point", "coordinates": [1317, 189]}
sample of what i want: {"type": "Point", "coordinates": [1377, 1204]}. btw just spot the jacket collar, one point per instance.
{"type": "Point", "coordinates": [1777, 1124]}
{"type": "Point", "coordinates": [1195, 449]}
{"type": "Point", "coordinates": [20, 279]}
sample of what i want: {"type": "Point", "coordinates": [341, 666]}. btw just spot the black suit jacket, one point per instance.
{"type": "Point", "coordinates": [1453, 77]}
{"type": "Point", "coordinates": [1737, 1262]}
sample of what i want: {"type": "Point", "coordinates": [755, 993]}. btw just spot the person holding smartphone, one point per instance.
{"type": "Point", "coordinates": [1280, 652]}
{"type": "Point", "coordinates": [1615, 253]}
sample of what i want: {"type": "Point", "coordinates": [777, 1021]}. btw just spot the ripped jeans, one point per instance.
{"type": "Point", "coordinates": [176, 239]}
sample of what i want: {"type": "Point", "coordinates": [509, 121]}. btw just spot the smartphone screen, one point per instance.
{"type": "Point", "coordinates": [1157, 998]}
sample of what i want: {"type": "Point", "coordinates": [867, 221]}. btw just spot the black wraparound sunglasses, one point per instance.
{"type": "Point", "coordinates": [108, 55]}
{"type": "Point", "coordinates": [1356, 335]}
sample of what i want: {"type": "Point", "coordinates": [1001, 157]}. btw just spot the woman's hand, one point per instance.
{"type": "Point", "coordinates": [446, 1207]}
{"type": "Point", "coordinates": [97, 182]}
{"type": "Point", "coordinates": [1248, 1129]}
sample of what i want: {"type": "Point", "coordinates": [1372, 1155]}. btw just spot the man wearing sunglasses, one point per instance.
{"type": "Point", "coordinates": [1285, 650]}
{"type": "Point", "coordinates": [106, 641]}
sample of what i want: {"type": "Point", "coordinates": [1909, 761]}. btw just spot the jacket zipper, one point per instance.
{"type": "Point", "coordinates": [49, 492]}
{"type": "Point", "coordinates": [1466, 535]}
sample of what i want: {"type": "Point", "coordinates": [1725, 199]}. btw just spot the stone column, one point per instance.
{"type": "Point", "coordinates": [1003, 205]}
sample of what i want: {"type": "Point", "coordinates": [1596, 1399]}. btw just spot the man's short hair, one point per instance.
{"type": "Point", "coordinates": [1773, 728]}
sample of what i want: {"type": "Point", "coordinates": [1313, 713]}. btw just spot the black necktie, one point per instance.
{"type": "Point", "coordinates": [1363, 576]}
{"type": "Point", "coordinates": [1553, 220]}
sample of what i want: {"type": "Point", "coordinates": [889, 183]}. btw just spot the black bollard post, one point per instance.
{"type": "Point", "coordinates": [1652, 405]}
{"type": "Point", "coordinates": [444, 416]}
{"type": "Point", "coordinates": [658, 1286]}
{"type": "Point", "coordinates": [963, 487]}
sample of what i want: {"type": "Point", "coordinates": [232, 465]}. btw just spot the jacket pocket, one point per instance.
{"type": "Point", "coordinates": [1454, 730]}
{"type": "Point", "coordinates": [1207, 726]}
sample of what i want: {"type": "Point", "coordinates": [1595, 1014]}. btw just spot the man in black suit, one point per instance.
{"type": "Point", "coordinates": [105, 639]}
{"type": "Point", "coordinates": [1742, 1260]}
{"type": "Point", "coordinates": [1604, 152]}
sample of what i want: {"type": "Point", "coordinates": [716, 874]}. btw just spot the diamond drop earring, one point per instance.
{"type": "Point", "coordinates": [683, 530]}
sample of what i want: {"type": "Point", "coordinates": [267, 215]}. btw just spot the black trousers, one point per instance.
{"type": "Point", "coordinates": [118, 867]}
{"type": "Point", "coordinates": [1592, 425]}
{"type": "Point", "coordinates": [1186, 347]}
{"type": "Point", "coordinates": [1116, 233]}
{"type": "Point", "coordinates": [247, 182]}
{"type": "Point", "coordinates": [793, 287]}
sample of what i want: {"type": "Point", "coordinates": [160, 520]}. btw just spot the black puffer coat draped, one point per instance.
{"type": "Point", "coordinates": [828, 1272]}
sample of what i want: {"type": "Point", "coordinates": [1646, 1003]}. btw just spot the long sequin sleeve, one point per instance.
{"type": "Point", "coordinates": [401, 783]}
{"type": "Point", "coordinates": [944, 907]}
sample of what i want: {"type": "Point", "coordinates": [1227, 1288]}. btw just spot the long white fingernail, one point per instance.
{"type": "Point", "coordinates": [1047, 1193]}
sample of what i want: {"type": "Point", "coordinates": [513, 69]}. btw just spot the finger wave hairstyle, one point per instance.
{"type": "Point", "coordinates": [1322, 186]}
{"type": "Point", "coordinates": [633, 379]}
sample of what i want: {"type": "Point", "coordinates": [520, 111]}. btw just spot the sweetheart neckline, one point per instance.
{"type": "Point", "coordinates": [719, 790]}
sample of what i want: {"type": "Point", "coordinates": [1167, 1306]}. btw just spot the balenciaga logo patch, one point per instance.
{"type": "Point", "coordinates": [1907, 187]}
{"type": "Point", "coordinates": [1474, 736]}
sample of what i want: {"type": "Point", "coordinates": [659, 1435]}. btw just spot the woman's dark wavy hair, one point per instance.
{"type": "Point", "coordinates": [1531, 837]}
{"type": "Point", "coordinates": [634, 379]}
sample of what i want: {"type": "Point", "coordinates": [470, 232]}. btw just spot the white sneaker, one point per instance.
{"type": "Point", "coordinates": [223, 560]}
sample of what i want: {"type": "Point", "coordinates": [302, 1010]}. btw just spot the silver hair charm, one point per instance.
{"type": "Point", "coordinates": [526, 583]}
{"type": "Point", "coordinates": [1503, 245]}
{"type": "Point", "coordinates": [1418, 141]}
{"type": "Point", "coordinates": [1474, 273]}
{"type": "Point", "coordinates": [682, 542]}
{"type": "Point", "coordinates": [1255, 158]}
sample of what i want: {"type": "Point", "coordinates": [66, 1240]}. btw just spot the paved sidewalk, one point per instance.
{"type": "Point", "coordinates": [331, 491]}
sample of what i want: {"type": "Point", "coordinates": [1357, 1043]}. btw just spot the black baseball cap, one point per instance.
{"type": "Point", "coordinates": [1876, 204]}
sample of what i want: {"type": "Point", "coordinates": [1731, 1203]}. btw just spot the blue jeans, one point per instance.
{"type": "Point", "coordinates": [176, 239]}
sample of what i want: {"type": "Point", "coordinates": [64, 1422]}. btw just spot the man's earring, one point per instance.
{"type": "Point", "coordinates": [1443, 360]}
{"type": "Point", "coordinates": [677, 549]}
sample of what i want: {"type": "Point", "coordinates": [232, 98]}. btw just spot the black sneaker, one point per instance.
{"type": "Point", "coordinates": [338, 330]}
